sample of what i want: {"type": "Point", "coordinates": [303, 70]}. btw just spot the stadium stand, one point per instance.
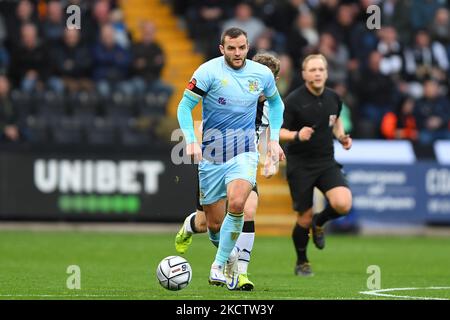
{"type": "Point", "coordinates": [72, 87]}
{"type": "Point", "coordinates": [132, 58]}
{"type": "Point", "coordinates": [119, 79]}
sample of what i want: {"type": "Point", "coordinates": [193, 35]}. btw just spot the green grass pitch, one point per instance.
{"type": "Point", "coordinates": [33, 265]}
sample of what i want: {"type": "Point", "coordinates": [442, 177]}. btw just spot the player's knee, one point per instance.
{"type": "Point", "coordinates": [236, 204]}
{"type": "Point", "coordinates": [304, 219]}
{"type": "Point", "coordinates": [341, 206]}
{"type": "Point", "coordinates": [214, 226]}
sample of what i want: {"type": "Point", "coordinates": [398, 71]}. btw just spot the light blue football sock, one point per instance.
{"type": "Point", "coordinates": [229, 233]}
{"type": "Point", "coordinates": [214, 237]}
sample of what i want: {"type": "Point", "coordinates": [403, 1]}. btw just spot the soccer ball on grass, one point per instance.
{"type": "Point", "coordinates": [174, 273]}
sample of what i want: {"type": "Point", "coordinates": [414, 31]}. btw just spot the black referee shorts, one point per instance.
{"type": "Point", "coordinates": [197, 194]}
{"type": "Point", "coordinates": [303, 179]}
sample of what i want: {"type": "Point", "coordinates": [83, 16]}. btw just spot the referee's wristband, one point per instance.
{"type": "Point", "coordinates": [297, 136]}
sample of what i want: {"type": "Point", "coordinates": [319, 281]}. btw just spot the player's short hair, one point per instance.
{"type": "Point", "coordinates": [233, 33]}
{"type": "Point", "coordinates": [269, 60]}
{"type": "Point", "coordinates": [314, 56]}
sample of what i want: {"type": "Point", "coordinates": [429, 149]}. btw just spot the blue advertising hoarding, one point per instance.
{"type": "Point", "coordinates": [415, 194]}
{"type": "Point", "coordinates": [390, 185]}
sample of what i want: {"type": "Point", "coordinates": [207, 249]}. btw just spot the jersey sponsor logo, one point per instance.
{"type": "Point", "coordinates": [253, 85]}
{"type": "Point", "coordinates": [224, 82]}
{"type": "Point", "coordinates": [191, 85]}
{"type": "Point", "coordinates": [332, 120]}
{"type": "Point", "coordinates": [222, 101]}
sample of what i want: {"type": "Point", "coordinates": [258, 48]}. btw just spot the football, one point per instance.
{"type": "Point", "coordinates": [174, 273]}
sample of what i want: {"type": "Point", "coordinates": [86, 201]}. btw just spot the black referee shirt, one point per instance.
{"type": "Point", "coordinates": [302, 108]}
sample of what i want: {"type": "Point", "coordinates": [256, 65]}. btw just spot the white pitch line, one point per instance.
{"type": "Point", "coordinates": [82, 295]}
{"type": "Point", "coordinates": [380, 294]}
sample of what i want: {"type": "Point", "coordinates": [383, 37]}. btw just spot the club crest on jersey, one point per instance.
{"type": "Point", "coordinates": [332, 120]}
{"type": "Point", "coordinates": [253, 85]}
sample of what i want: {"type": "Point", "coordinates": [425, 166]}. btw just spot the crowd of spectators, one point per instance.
{"type": "Point", "coordinates": [395, 78]}
{"type": "Point", "coordinates": [94, 84]}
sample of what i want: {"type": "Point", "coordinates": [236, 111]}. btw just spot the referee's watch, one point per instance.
{"type": "Point", "coordinates": [297, 136]}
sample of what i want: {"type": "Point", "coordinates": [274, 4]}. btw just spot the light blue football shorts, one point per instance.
{"type": "Point", "coordinates": [214, 177]}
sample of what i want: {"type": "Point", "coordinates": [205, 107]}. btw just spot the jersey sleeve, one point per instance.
{"type": "Point", "coordinates": [270, 87]}
{"type": "Point", "coordinates": [201, 80]}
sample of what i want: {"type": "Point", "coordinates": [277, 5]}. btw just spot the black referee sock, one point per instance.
{"type": "Point", "coordinates": [300, 236]}
{"type": "Point", "coordinates": [249, 226]}
{"type": "Point", "coordinates": [326, 215]}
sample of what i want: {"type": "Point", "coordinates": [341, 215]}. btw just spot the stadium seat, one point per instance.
{"type": "Point", "coordinates": [119, 105]}
{"type": "Point", "coordinates": [83, 104]}
{"type": "Point", "coordinates": [133, 136]}
{"type": "Point", "coordinates": [37, 130]}
{"type": "Point", "coordinates": [103, 132]}
{"type": "Point", "coordinates": [24, 104]}
{"type": "Point", "coordinates": [51, 106]}
{"type": "Point", "coordinates": [67, 130]}
{"type": "Point", "coordinates": [153, 104]}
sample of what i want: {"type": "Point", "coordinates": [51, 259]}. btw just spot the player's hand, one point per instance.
{"type": "Point", "coordinates": [305, 133]}
{"type": "Point", "coordinates": [275, 154]}
{"type": "Point", "coordinates": [193, 150]}
{"type": "Point", "coordinates": [275, 151]}
{"type": "Point", "coordinates": [281, 155]}
{"type": "Point", "coordinates": [346, 141]}
{"type": "Point", "coordinates": [270, 168]}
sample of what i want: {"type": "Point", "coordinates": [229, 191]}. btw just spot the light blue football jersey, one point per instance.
{"type": "Point", "coordinates": [229, 106]}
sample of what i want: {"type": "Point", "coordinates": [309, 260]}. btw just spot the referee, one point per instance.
{"type": "Point", "coordinates": [311, 121]}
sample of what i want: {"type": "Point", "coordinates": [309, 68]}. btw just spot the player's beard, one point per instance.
{"type": "Point", "coordinates": [230, 62]}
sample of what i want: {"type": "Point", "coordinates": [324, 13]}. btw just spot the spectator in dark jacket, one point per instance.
{"type": "Point", "coordinates": [376, 91]}
{"type": "Point", "coordinates": [92, 23]}
{"type": "Point", "coordinates": [9, 130]}
{"type": "Point", "coordinates": [432, 113]}
{"type": "Point", "coordinates": [4, 60]}
{"type": "Point", "coordinates": [111, 64]}
{"type": "Point", "coordinates": [24, 13]}
{"type": "Point", "coordinates": [29, 66]}
{"type": "Point", "coordinates": [72, 63]}
{"type": "Point", "coordinates": [302, 38]}
{"type": "Point", "coordinates": [422, 12]}
{"type": "Point", "coordinates": [54, 24]}
{"type": "Point", "coordinates": [148, 62]}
